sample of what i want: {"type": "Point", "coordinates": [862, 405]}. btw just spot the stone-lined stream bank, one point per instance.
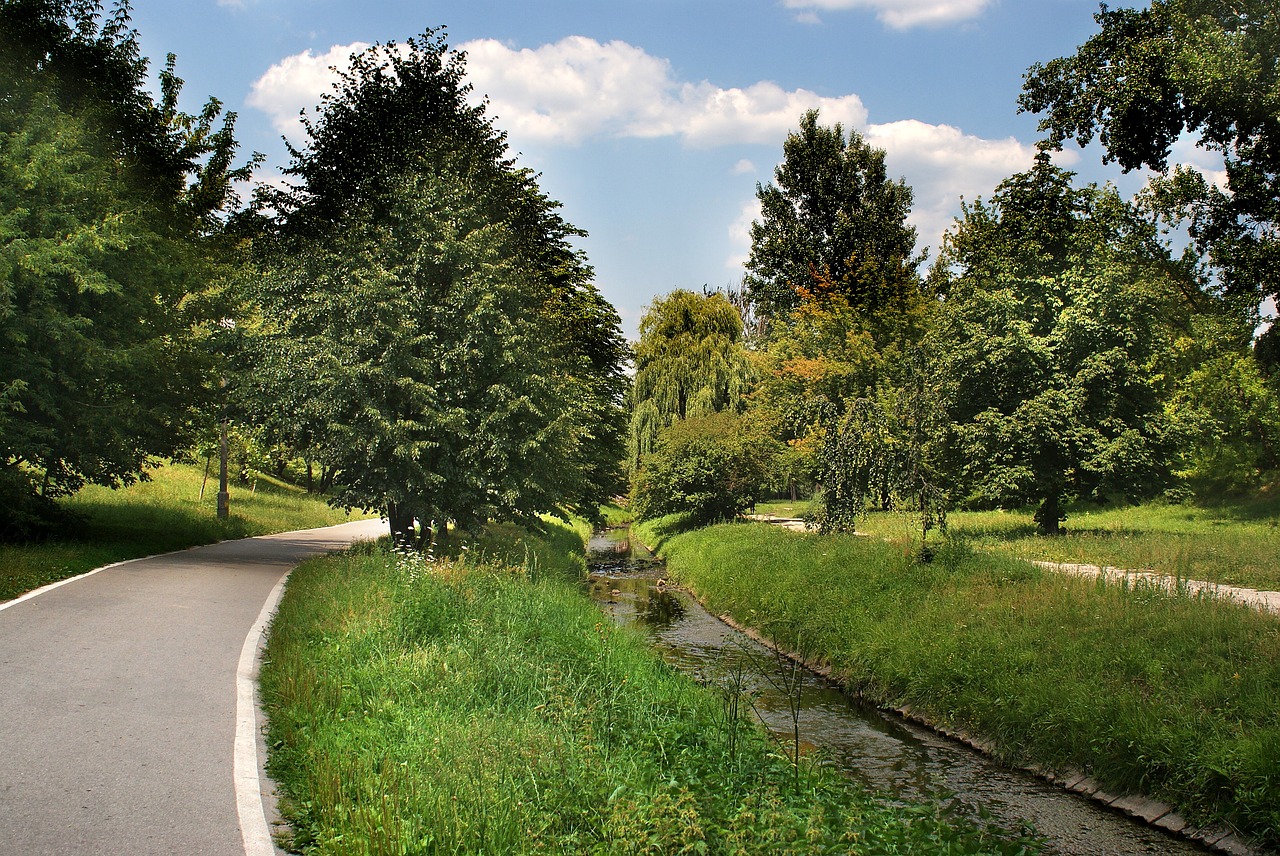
{"type": "Point", "coordinates": [887, 751]}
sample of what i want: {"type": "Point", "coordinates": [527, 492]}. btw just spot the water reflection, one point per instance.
{"type": "Point", "coordinates": [881, 750]}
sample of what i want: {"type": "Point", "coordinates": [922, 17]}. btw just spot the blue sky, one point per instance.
{"type": "Point", "coordinates": [652, 120]}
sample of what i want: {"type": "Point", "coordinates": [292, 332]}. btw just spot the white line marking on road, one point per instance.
{"type": "Point", "coordinates": [254, 828]}
{"type": "Point", "coordinates": [60, 583]}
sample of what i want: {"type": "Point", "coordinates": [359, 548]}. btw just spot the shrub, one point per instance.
{"type": "Point", "coordinates": [711, 467]}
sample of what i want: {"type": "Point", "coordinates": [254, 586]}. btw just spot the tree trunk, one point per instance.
{"type": "Point", "coordinates": [1049, 515]}
{"type": "Point", "coordinates": [400, 520]}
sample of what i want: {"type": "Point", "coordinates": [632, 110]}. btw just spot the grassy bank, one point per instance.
{"type": "Point", "coordinates": [157, 516]}
{"type": "Point", "coordinates": [1170, 696]}
{"type": "Point", "coordinates": [460, 706]}
{"type": "Point", "coordinates": [1230, 541]}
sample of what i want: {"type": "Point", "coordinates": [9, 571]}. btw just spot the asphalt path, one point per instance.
{"type": "Point", "coordinates": [128, 720]}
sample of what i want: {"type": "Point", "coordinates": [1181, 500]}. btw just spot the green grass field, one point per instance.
{"type": "Point", "coordinates": [1153, 693]}
{"type": "Point", "coordinates": [1231, 541]}
{"type": "Point", "coordinates": [157, 516]}
{"type": "Point", "coordinates": [464, 706]}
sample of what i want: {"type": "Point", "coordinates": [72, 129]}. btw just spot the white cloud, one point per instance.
{"type": "Point", "coordinates": [740, 234]}
{"type": "Point", "coordinates": [297, 82]}
{"type": "Point", "coordinates": [578, 88]}
{"type": "Point", "coordinates": [900, 14]}
{"type": "Point", "coordinates": [941, 164]}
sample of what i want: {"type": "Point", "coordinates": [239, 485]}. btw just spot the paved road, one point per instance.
{"type": "Point", "coordinates": [118, 700]}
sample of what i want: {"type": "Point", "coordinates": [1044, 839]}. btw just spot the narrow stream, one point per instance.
{"type": "Point", "coordinates": [881, 750]}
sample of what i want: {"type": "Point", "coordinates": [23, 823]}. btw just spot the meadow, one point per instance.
{"type": "Point", "coordinates": [1148, 692]}
{"type": "Point", "coordinates": [162, 514]}
{"type": "Point", "coordinates": [1232, 541]}
{"type": "Point", "coordinates": [429, 704]}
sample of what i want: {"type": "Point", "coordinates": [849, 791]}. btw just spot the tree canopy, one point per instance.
{"type": "Point", "coordinates": [1049, 349]}
{"type": "Point", "coordinates": [690, 360]}
{"type": "Point", "coordinates": [108, 212]}
{"type": "Point", "coordinates": [832, 217]}
{"type": "Point", "coordinates": [421, 296]}
{"type": "Point", "coordinates": [1208, 68]}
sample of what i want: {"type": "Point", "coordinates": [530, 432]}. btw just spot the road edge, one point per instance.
{"type": "Point", "coordinates": [251, 810]}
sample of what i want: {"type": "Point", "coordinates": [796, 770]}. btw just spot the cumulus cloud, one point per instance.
{"type": "Point", "coordinates": [943, 164]}
{"type": "Point", "coordinates": [296, 83]}
{"type": "Point", "coordinates": [899, 14]}
{"type": "Point", "coordinates": [578, 88]}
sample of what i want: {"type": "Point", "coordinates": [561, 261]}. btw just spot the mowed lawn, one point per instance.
{"type": "Point", "coordinates": [1231, 541]}
{"type": "Point", "coordinates": [157, 516]}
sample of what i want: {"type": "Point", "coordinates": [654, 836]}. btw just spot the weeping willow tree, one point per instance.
{"type": "Point", "coordinates": [690, 360]}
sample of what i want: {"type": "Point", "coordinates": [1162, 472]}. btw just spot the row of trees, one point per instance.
{"type": "Point", "coordinates": [408, 311]}
{"type": "Point", "coordinates": [1058, 348]}
{"type": "Point", "coordinates": [109, 256]}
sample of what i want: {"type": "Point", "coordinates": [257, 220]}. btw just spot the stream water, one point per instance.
{"type": "Point", "coordinates": [881, 750]}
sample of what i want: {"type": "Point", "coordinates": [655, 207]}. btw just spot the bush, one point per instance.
{"type": "Point", "coordinates": [711, 467]}
{"type": "Point", "coordinates": [28, 515]}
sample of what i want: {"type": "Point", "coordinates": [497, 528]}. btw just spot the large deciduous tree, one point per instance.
{"type": "Point", "coordinates": [108, 204]}
{"type": "Point", "coordinates": [1207, 68]}
{"type": "Point", "coordinates": [833, 216]}
{"type": "Point", "coordinates": [457, 362]}
{"type": "Point", "coordinates": [1050, 348]}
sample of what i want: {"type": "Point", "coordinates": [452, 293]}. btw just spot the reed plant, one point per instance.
{"type": "Point", "coordinates": [459, 705]}
{"type": "Point", "coordinates": [1152, 692]}
{"type": "Point", "coordinates": [165, 513]}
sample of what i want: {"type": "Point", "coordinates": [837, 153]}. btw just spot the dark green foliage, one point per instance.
{"type": "Point", "coordinates": [1225, 413]}
{"type": "Point", "coordinates": [1048, 348]}
{"type": "Point", "coordinates": [108, 202]}
{"type": "Point", "coordinates": [833, 216]}
{"type": "Point", "coordinates": [436, 339]}
{"type": "Point", "coordinates": [883, 452]}
{"type": "Point", "coordinates": [99, 367]}
{"type": "Point", "coordinates": [1202, 67]}
{"type": "Point", "coordinates": [712, 467]}
{"type": "Point", "coordinates": [854, 465]}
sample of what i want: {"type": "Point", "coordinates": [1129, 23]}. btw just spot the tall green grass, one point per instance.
{"type": "Point", "coordinates": [157, 516]}
{"type": "Point", "coordinates": [1167, 695]}
{"type": "Point", "coordinates": [459, 706]}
